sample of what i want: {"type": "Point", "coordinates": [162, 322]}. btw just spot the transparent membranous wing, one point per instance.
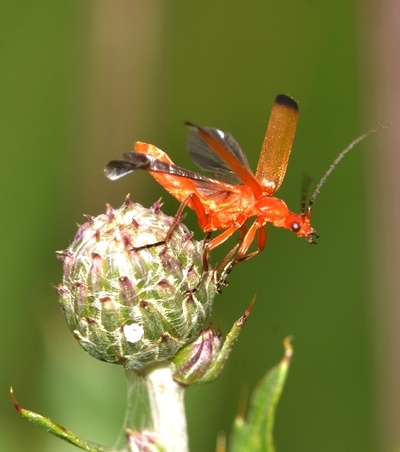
{"type": "Point", "coordinates": [133, 161]}
{"type": "Point", "coordinates": [206, 159]}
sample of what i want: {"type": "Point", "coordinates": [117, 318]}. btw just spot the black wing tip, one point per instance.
{"type": "Point", "coordinates": [286, 101]}
{"type": "Point", "coordinates": [196, 129]}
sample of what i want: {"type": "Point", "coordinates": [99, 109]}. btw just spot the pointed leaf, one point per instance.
{"type": "Point", "coordinates": [254, 434]}
{"type": "Point", "coordinates": [55, 429]}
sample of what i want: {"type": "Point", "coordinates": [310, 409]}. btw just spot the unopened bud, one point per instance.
{"type": "Point", "coordinates": [195, 359]}
{"type": "Point", "coordinates": [144, 441]}
{"type": "Point", "coordinates": [134, 306]}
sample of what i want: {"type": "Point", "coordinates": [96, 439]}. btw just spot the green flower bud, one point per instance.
{"type": "Point", "coordinates": [134, 306]}
{"type": "Point", "coordinates": [203, 359]}
{"type": "Point", "coordinates": [194, 360]}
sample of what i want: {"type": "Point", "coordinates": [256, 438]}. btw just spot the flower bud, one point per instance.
{"type": "Point", "coordinates": [203, 359]}
{"type": "Point", "coordinates": [144, 441]}
{"type": "Point", "coordinates": [194, 360]}
{"type": "Point", "coordinates": [129, 303]}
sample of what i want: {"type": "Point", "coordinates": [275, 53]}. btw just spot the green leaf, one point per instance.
{"type": "Point", "coordinates": [254, 434]}
{"type": "Point", "coordinates": [55, 429]}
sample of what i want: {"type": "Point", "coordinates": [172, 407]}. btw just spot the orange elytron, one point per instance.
{"type": "Point", "coordinates": [235, 194]}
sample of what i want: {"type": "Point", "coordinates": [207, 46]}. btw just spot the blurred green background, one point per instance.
{"type": "Point", "coordinates": [80, 82]}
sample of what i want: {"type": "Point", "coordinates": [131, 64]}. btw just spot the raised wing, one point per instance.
{"type": "Point", "coordinates": [228, 156]}
{"type": "Point", "coordinates": [134, 161]}
{"type": "Point", "coordinates": [176, 180]}
{"type": "Point", "coordinates": [277, 143]}
{"type": "Point", "coordinates": [206, 158]}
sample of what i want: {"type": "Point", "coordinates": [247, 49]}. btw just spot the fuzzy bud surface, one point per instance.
{"type": "Point", "coordinates": [134, 306]}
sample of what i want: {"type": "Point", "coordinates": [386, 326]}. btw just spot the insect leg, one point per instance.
{"type": "Point", "coordinates": [209, 245]}
{"type": "Point", "coordinates": [239, 224]}
{"type": "Point", "coordinates": [226, 266]}
{"type": "Point", "coordinates": [205, 252]}
{"type": "Point", "coordinates": [191, 197]}
{"type": "Point", "coordinates": [198, 207]}
{"type": "Point", "coordinates": [202, 217]}
{"type": "Point", "coordinates": [248, 240]}
{"type": "Point", "coordinates": [221, 238]}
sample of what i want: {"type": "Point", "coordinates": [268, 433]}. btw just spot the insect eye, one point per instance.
{"type": "Point", "coordinates": [295, 226]}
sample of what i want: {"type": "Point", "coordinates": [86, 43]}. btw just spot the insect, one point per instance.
{"type": "Point", "coordinates": [235, 194]}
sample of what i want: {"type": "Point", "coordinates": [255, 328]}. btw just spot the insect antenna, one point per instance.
{"type": "Point", "coordinates": [339, 158]}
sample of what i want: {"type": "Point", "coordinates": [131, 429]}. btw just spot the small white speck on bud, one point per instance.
{"type": "Point", "coordinates": [133, 332]}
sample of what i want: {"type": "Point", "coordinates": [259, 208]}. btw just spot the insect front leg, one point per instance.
{"type": "Point", "coordinates": [248, 240]}
{"type": "Point", "coordinates": [221, 238]}
{"type": "Point", "coordinates": [239, 224]}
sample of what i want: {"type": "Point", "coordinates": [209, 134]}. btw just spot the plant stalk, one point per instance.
{"type": "Point", "coordinates": [167, 407]}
